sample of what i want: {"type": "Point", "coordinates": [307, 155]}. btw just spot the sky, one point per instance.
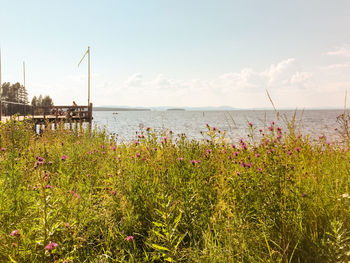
{"type": "Point", "coordinates": [180, 53]}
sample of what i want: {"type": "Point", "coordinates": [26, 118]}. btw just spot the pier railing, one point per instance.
{"type": "Point", "coordinates": [51, 113]}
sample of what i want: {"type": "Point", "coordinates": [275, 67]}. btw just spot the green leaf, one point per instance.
{"type": "Point", "coordinates": [157, 247]}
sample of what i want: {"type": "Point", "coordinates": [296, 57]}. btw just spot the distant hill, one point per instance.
{"type": "Point", "coordinates": [119, 109]}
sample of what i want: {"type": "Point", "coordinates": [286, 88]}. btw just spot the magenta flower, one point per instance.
{"type": "Point", "coordinates": [297, 149]}
{"type": "Point", "coordinates": [114, 148]}
{"type": "Point", "coordinates": [180, 159]}
{"type": "Point", "coordinates": [138, 155]}
{"type": "Point", "coordinates": [51, 246]}
{"type": "Point", "coordinates": [257, 155]}
{"type": "Point", "coordinates": [64, 157]}
{"type": "Point", "coordinates": [194, 162]}
{"type": "Point", "coordinates": [289, 152]}
{"type": "Point", "coordinates": [270, 128]}
{"type": "Point", "coordinates": [129, 238]}
{"type": "Point", "coordinates": [259, 169]}
{"type": "Point", "coordinates": [3, 149]}
{"type": "Point", "coordinates": [48, 186]}
{"type": "Point", "coordinates": [15, 233]}
{"type": "Point", "coordinates": [250, 124]}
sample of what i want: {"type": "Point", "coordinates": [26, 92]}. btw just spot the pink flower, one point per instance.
{"type": "Point", "coordinates": [64, 157]}
{"type": "Point", "coordinates": [51, 246]}
{"type": "Point", "coordinates": [138, 155]}
{"type": "Point", "coordinates": [15, 233]}
{"type": "Point", "coordinates": [250, 124]}
{"type": "Point", "coordinates": [114, 148]}
{"type": "Point", "coordinates": [129, 238]}
{"type": "Point", "coordinates": [257, 155]}
{"type": "Point", "coordinates": [3, 149]}
{"type": "Point", "coordinates": [297, 149]}
{"type": "Point", "coordinates": [48, 186]}
{"type": "Point", "coordinates": [180, 159]}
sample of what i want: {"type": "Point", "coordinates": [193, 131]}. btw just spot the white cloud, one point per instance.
{"type": "Point", "coordinates": [342, 51]}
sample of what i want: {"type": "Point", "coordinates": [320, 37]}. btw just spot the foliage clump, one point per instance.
{"type": "Point", "coordinates": [77, 196]}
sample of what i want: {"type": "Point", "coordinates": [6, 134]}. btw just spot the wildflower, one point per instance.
{"type": "Point", "coordinates": [289, 152]}
{"type": "Point", "coordinates": [138, 155]}
{"type": "Point", "coordinates": [180, 159]}
{"type": "Point", "coordinates": [50, 163]}
{"type": "Point", "coordinates": [272, 123]}
{"type": "Point", "coordinates": [3, 149]}
{"type": "Point", "coordinates": [233, 146]}
{"type": "Point", "coordinates": [114, 148]}
{"type": "Point", "coordinates": [257, 155]}
{"type": "Point", "coordinates": [270, 128]}
{"type": "Point", "coordinates": [129, 238]}
{"type": "Point", "coordinates": [67, 225]}
{"type": "Point", "coordinates": [136, 143]}
{"type": "Point", "coordinates": [102, 146]}
{"type": "Point", "coordinates": [297, 149]}
{"type": "Point", "coordinates": [15, 233]}
{"type": "Point", "coordinates": [51, 246]}
{"type": "Point", "coordinates": [238, 173]}
{"type": "Point", "coordinates": [250, 124]}
{"type": "Point", "coordinates": [260, 130]}
{"type": "Point", "coordinates": [48, 186]}
{"type": "Point", "coordinates": [235, 154]}
{"type": "Point", "coordinates": [64, 157]}
{"type": "Point", "coordinates": [148, 129]}
{"type": "Point", "coordinates": [194, 162]}
{"type": "Point", "coordinates": [103, 152]}
{"type": "Point", "coordinates": [113, 192]}
{"type": "Point", "coordinates": [259, 169]}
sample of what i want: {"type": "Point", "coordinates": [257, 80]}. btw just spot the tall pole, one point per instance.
{"type": "Point", "coordinates": [24, 74]}
{"type": "Point", "coordinates": [89, 76]}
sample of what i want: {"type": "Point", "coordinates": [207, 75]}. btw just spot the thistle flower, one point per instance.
{"type": "Point", "coordinates": [15, 233]}
{"type": "Point", "coordinates": [51, 246]}
{"type": "Point", "coordinates": [129, 238]}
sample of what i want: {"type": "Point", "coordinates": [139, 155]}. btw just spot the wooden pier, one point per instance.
{"type": "Point", "coordinates": [43, 115]}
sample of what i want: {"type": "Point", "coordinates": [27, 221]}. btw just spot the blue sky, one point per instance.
{"type": "Point", "coordinates": [181, 53]}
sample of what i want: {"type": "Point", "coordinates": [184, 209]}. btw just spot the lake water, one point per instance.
{"type": "Point", "coordinates": [126, 123]}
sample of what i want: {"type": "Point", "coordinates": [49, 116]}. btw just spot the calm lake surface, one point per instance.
{"type": "Point", "coordinates": [126, 123]}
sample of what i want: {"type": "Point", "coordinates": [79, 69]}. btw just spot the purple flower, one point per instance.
{"type": "Point", "coordinates": [129, 238]}
{"type": "Point", "coordinates": [297, 149]}
{"type": "Point", "coordinates": [289, 152]}
{"type": "Point", "coordinates": [3, 149]}
{"type": "Point", "coordinates": [194, 162]}
{"type": "Point", "coordinates": [64, 157]}
{"type": "Point", "coordinates": [259, 169]}
{"type": "Point", "coordinates": [48, 186]}
{"type": "Point", "coordinates": [138, 155]}
{"type": "Point", "coordinates": [15, 233]}
{"type": "Point", "coordinates": [114, 148]}
{"type": "Point", "coordinates": [51, 246]}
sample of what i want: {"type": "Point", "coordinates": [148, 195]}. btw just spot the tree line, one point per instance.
{"type": "Point", "coordinates": [15, 99]}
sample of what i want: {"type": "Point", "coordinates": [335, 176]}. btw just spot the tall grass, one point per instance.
{"type": "Point", "coordinates": [77, 196]}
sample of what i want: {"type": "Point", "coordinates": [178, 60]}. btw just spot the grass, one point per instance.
{"type": "Point", "coordinates": [76, 196]}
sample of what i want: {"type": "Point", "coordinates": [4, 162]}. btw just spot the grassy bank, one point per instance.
{"type": "Point", "coordinates": [75, 196]}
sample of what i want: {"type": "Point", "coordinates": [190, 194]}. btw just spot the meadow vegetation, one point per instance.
{"type": "Point", "coordinates": [78, 196]}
